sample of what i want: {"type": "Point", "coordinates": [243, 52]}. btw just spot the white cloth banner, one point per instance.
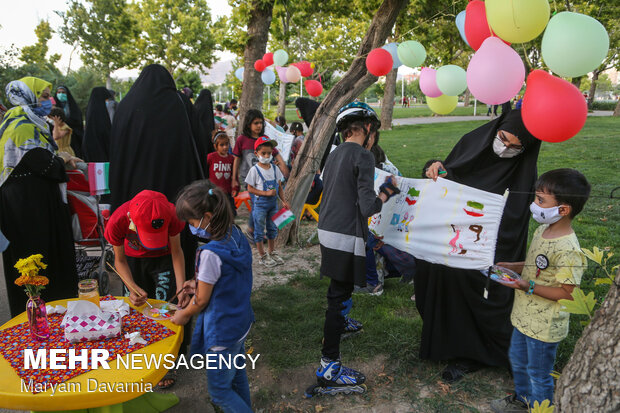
{"type": "Point", "coordinates": [441, 222]}
{"type": "Point", "coordinates": [285, 140]}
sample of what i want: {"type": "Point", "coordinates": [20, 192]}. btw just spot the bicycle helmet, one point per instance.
{"type": "Point", "coordinates": [356, 111]}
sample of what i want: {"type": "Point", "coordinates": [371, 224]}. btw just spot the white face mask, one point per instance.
{"type": "Point", "coordinates": [502, 150]}
{"type": "Point", "coordinates": [265, 161]}
{"type": "Point", "coordinates": [545, 215]}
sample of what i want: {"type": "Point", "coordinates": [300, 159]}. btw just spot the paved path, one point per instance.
{"type": "Point", "coordinates": [423, 120]}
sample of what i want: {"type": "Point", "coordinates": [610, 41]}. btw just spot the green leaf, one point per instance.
{"type": "Point", "coordinates": [600, 281]}
{"type": "Point", "coordinates": [580, 304]}
{"type": "Point", "coordinates": [595, 255]}
{"type": "Point", "coordinates": [544, 407]}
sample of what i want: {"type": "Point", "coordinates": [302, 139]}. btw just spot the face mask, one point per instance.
{"type": "Point", "coordinates": [265, 161]}
{"type": "Point", "coordinates": [44, 109]}
{"type": "Point", "coordinates": [503, 151]}
{"type": "Point", "coordinates": [62, 97]}
{"type": "Point", "coordinates": [200, 232]}
{"type": "Point", "coordinates": [545, 215]}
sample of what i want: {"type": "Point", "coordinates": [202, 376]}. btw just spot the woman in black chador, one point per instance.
{"type": "Point", "coordinates": [65, 100]}
{"type": "Point", "coordinates": [96, 143]}
{"type": "Point", "coordinates": [460, 324]}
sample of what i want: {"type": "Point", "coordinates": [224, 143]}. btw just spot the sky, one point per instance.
{"type": "Point", "coordinates": [19, 19]}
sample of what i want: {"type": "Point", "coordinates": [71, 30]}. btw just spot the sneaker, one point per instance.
{"type": "Point", "coordinates": [267, 261]}
{"type": "Point", "coordinates": [276, 257]}
{"type": "Point", "coordinates": [509, 404]}
{"type": "Point", "coordinates": [375, 290]}
{"type": "Point", "coordinates": [352, 326]}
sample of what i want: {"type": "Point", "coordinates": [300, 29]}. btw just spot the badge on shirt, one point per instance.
{"type": "Point", "coordinates": [542, 262]}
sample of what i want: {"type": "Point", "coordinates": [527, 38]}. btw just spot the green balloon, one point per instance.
{"type": "Point", "coordinates": [411, 53]}
{"type": "Point", "coordinates": [451, 80]}
{"type": "Point", "coordinates": [280, 57]}
{"type": "Point", "coordinates": [574, 44]}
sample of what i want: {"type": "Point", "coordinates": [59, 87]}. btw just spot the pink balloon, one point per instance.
{"type": "Point", "coordinates": [428, 83]}
{"type": "Point", "coordinates": [282, 74]}
{"type": "Point", "coordinates": [495, 73]}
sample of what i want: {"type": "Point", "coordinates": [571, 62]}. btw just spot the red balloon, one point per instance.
{"type": "Point", "coordinates": [553, 110]}
{"type": "Point", "coordinates": [304, 67]}
{"type": "Point", "coordinates": [477, 27]}
{"type": "Point", "coordinates": [379, 62]}
{"type": "Point", "coordinates": [314, 88]}
{"type": "Point", "coordinates": [268, 59]}
{"type": "Point", "coordinates": [259, 65]}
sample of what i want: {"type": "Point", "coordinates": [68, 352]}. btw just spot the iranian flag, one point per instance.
{"type": "Point", "coordinates": [98, 174]}
{"type": "Point", "coordinates": [283, 217]}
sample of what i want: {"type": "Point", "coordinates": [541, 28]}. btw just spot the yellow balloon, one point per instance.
{"type": "Point", "coordinates": [517, 21]}
{"type": "Point", "coordinates": [443, 104]}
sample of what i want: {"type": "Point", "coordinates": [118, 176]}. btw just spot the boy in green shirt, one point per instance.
{"type": "Point", "coordinates": [553, 267]}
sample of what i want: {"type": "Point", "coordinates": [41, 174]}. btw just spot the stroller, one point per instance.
{"type": "Point", "coordinates": [88, 219]}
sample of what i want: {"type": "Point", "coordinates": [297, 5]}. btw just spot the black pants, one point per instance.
{"type": "Point", "coordinates": [338, 305]}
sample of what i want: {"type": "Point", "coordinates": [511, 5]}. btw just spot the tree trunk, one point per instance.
{"type": "Point", "coordinates": [467, 98]}
{"type": "Point", "coordinates": [617, 110]}
{"type": "Point", "coordinates": [592, 88]}
{"type": "Point", "coordinates": [352, 84]}
{"type": "Point", "coordinates": [577, 81]}
{"type": "Point", "coordinates": [591, 379]}
{"type": "Point", "coordinates": [387, 107]}
{"type": "Point", "coordinates": [258, 33]}
{"type": "Point", "coordinates": [108, 80]}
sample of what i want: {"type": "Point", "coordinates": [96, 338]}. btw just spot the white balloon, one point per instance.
{"type": "Point", "coordinates": [268, 77]}
{"type": "Point", "coordinates": [239, 73]}
{"type": "Point", "coordinates": [293, 74]}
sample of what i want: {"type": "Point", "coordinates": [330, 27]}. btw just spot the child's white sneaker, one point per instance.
{"type": "Point", "coordinates": [276, 258]}
{"type": "Point", "coordinates": [267, 261]}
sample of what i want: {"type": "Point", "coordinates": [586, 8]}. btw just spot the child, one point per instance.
{"type": "Point", "coordinates": [62, 131]}
{"type": "Point", "coordinates": [144, 233]}
{"type": "Point", "coordinates": [219, 165]}
{"type": "Point", "coordinates": [298, 131]}
{"type": "Point", "coordinates": [265, 182]}
{"type": "Point", "coordinates": [253, 128]}
{"type": "Point", "coordinates": [553, 267]}
{"type": "Point", "coordinates": [222, 292]}
{"type": "Point", "coordinates": [349, 199]}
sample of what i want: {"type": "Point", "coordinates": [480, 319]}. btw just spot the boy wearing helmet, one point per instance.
{"type": "Point", "coordinates": [348, 201]}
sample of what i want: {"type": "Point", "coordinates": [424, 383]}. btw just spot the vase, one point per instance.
{"type": "Point", "coordinates": [37, 318]}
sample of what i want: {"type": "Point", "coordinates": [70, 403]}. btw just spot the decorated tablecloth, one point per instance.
{"type": "Point", "coordinates": [14, 340]}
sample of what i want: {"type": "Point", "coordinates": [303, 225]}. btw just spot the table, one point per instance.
{"type": "Point", "coordinates": [11, 396]}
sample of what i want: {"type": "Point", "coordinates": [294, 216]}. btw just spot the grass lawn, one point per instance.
{"type": "Point", "coordinates": [400, 112]}
{"type": "Point", "coordinates": [289, 317]}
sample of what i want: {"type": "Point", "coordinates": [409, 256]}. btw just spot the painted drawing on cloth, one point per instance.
{"type": "Point", "coordinates": [441, 222]}
{"type": "Point", "coordinates": [285, 140]}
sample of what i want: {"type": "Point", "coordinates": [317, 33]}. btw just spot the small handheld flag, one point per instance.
{"type": "Point", "coordinates": [283, 217]}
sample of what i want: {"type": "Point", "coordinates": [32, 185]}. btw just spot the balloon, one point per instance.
{"type": "Point", "coordinates": [314, 88]}
{"type": "Point", "coordinates": [280, 57]}
{"type": "Point", "coordinates": [293, 74]}
{"type": "Point", "coordinates": [268, 77]}
{"type": "Point", "coordinates": [517, 21]}
{"type": "Point", "coordinates": [393, 49]}
{"type": "Point", "coordinates": [304, 67]}
{"type": "Point", "coordinates": [428, 82]}
{"type": "Point", "coordinates": [476, 24]}
{"type": "Point", "coordinates": [451, 80]}
{"type": "Point", "coordinates": [442, 105]}
{"type": "Point", "coordinates": [574, 44]}
{"type": "Point", "coordinates": [282, 74]}
{"type": "Point", "coordinates": [411, 53]}
{"type": "Point", "coordinates": [495, 73]}
{"type": "Point", "coordinates": [259, 65]}
{"type": "Point", "coordinates": [239, 73]}
{"type": "Point", "coordinates": [379, 62]}
{"type": "Point", "coordinates": [460, 24]}
{"type": "Point", "coordinates": [553, 109]}
{"type": "Point", "coordinates": [268, 59]}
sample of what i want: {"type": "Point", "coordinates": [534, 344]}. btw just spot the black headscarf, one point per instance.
{"type": "Point", "coordinates": [74, 120]}
{"type": "Point", "coordinates": [96, 143]}
{"type": "Point", "coordinates": [151, 143]}
{"type": "Point", "coordinates": [307, 109]}
{"type": "Point", "coordinates": [204, 108]}
{"type": "Point", "coordinates": [472, 162]}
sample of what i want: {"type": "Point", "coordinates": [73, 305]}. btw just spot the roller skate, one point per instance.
{"type": "Point", "coordinates": [334, 378]}
{"type": "Point", "coordinates": [351, 328]}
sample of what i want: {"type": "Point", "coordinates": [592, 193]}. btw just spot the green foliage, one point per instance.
{"type": "Point", "coordinates": [603, 105]}
{"type": "Point", "coordinates": [104, 30]}
{"type": "Point", "coordinates": [36, 54]}
{"type": "Point", "coordinates": [580, 304]}
{"type": "Point", "coordinates": [190, 79]}
{"type": "Point", "coordinates": [175, 34]}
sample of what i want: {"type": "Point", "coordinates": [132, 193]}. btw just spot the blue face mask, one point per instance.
{"type": "Point", "coordinates": [44, 109]}
{"type": "Point", "coordinates": [62, 97]}
{"type": "Point", "coordinates": [200, 232]}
